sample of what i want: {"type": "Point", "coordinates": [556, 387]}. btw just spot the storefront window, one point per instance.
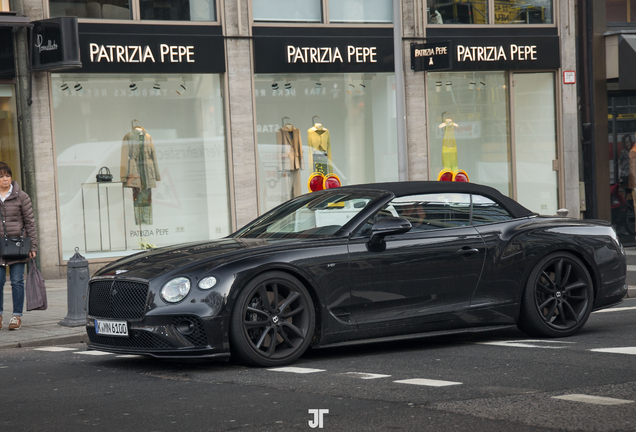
{"type": "Point", "coordinates": [162, 138]}
{"type": "Point", "coordinates": [9, 146]}
{"type": "Point", "coordinates": [169, 10]}
{"type": "Point", "coordinates": [535, 141]}
{"type": "Point", "coordinates": [469, 126]}
{"type": "Point", "coordinates": [341, 124]}
{"type": "Point", "coordinates": [620, 11]}
{"type": "Point", "coordinates": [476, 12]}
{"type": "Point", "coordinates": [362, 11]}
{"type": "Point", "coordinates": [287, 10]}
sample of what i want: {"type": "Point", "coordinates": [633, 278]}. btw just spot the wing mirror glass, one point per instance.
{"type": "Point", "coordinates": [388, 226]}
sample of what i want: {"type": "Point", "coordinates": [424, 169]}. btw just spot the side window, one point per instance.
{"type": "Point", "coordinates": [434, 211]}
{"type": "Point", "coordinates": [486, 211]}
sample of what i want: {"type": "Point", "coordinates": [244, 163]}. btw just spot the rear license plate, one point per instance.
{"type": "Point", "coordinates": [111, 328]}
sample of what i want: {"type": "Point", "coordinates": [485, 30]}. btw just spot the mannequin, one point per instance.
{"type": "Point", "coordinates": [319, 142]}
{"type": "Point", "coordinates": [139, 171]}
{"type": "Point", "coordinates": [449, 146]}
{"type": "Point", "coordinates": [291, 156]}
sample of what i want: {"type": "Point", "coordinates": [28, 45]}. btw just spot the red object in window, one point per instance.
{"type": "Point", "coordinates": [446, 176]}
{"type": "Point", "coordinates": [331, 181]}
{"type": "Point", "coordinates": [315, 182]}
{"type": "Point", "coordinates": [461, 177]}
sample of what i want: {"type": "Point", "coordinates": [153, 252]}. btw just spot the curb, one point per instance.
{"type": "Point", "coordinates": [62, 340]}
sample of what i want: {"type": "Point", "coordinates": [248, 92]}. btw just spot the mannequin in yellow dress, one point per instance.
{"type": "Point", "coordinates": [319, 143]}
{"type": "Point", "coordinates": [449, 145]}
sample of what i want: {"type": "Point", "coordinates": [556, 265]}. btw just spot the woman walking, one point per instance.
{"type": "Point", "coordinates": [17, 215]}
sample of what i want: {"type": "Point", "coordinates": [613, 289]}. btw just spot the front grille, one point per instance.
{"type": "Point", "coordinates": [117, 299]}
{"type": "Point", "coordinates": [136, 339]}
{"type": "Point", "coordinates": [197, 337]}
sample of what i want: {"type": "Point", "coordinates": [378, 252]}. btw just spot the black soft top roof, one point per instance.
{"type": "Point", "coordinates": [423, 187]}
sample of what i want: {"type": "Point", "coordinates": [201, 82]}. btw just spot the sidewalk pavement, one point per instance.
{"type": "Point", "coordinates": [41, 328]}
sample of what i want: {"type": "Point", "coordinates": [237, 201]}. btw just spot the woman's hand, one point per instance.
{"type": "Point", "coordinates": [32, 254]}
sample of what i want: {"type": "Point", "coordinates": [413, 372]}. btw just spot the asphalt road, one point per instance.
{"type": "Point", "coordinates": [496, 381]}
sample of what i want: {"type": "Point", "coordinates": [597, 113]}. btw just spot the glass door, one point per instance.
{"type": "Point", "coordinates": [9, 145]}
{"type": "Point", "coordinates": [535, 141]}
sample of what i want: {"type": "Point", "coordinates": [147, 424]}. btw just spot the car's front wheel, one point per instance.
{"type": "Point", "coordinates": [557, 300]}
{"type": "Point", "coordinates": [272, 321]}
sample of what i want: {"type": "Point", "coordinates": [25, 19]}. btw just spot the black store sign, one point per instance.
{"type": "Point", "coordinates": [292, 50]}
{"type": "Point", "coordinates": [488, 53]}
{"type": "Point", "coordinates": [7, 61]}
{"type": "Point", "coordinates": [151, 49]}
{"type": "Point", "coordinates": [55, 44]}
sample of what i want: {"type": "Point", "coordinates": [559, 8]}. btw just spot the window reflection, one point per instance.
{"type": "Point", "coordinates": [105, 9]}
{"type": "Point", "coordinates": [476, 12]}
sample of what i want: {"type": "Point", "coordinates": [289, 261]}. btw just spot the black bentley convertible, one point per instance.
{"type": "Point", "coordinates": [359, 264]}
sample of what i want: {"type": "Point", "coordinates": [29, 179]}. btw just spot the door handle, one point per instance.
{"type": "Point", "coordinates": [467, 250]}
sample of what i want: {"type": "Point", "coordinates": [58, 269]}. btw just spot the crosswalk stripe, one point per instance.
{"type": "Point", "coordinates": [92, 353]}
{"type": "Point", "coordinates": [631, 267]}
{"type": "Point", "coordinates": [54, 349]}
{"type": "Point", "coordinates": [363, 375]}
{"type": "Point", "coordinates": [598, 400]}
{"type": "Point", "coordinates": [620, 350]}
{"type": "Point", "coordinates": [630, 251]}
{"type": "Point", "coordinates": [527, 343]}
{"type": "Point", "coordinates": [616, 309]}
{"type": "Point", "coordinates": [297, 370]}
{"type": "Point", "coordinates": [427, 382]}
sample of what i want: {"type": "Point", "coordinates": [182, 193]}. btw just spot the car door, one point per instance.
{"type": "Point", "coordinates": [425, 275]}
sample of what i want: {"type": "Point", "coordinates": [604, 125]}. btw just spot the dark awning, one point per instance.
{"type": "Point", "coordinates": [12, 19]}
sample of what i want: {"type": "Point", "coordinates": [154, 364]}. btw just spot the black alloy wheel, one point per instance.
{"type": "Point", "coordinates": [272, 320]}
{"type": "Point", "coordinates": [558, 297]}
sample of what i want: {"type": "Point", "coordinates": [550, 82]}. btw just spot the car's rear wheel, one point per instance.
{"type": "Point", "coordinates": [557, 300]}
{"type": "Point", "coordinates": [272, 320]}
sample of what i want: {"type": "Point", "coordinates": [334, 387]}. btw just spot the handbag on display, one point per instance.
{"type": "Point", "coordinates": [14, 248]}
{"type": "Point", "coordinates": [104, 175]}
{"type": "Point", "coordinates": [35, 289]}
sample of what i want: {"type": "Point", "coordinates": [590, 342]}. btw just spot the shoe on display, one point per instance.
{"type": "Point", "coordinates": [15, 323]}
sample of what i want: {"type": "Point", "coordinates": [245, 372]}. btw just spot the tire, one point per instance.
{"type": "Point", "coordinates": [256, 323]}
{"type": "Point", "coordinates": [558, 297]}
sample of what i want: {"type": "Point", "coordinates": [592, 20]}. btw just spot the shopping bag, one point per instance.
{"type": "Point", "coordinates": [35, 289]}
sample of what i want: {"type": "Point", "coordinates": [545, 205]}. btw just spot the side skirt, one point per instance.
{"type": "Point", "coordinates": [418, 335]}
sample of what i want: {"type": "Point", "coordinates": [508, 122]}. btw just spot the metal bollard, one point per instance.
{"type": "Point", "coordinates": [76, 291]}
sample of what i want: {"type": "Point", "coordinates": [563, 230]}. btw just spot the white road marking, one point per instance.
{"type": "Point", "coordinates": [54, 349]}
{"type": "Point", "coordinates": [630, 251]}
{"type": "Point", "coordinates": [93, 353]}
{"type": "Point", "coordinates": [427, 382]}
{"type": "Point", "coordinates": [616, 309]}
{"type": "Point", "coordinates": [363, 375]}
{"type": "Point", "coordinates": [598, 400]}
{"type": "Point", "coordinates": [622, 350]}
{"type": "Point", "coordinates": [297, 370]}
{"type": "Point", "coordinates": [527, 343]}
{"type": "Point", "coordinates": [631, 267]}
{"type": "Point", "coordinates": [129, 356]}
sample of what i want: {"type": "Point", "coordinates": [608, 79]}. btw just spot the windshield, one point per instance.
{"type": "Point", "coordinates": [310, 216]}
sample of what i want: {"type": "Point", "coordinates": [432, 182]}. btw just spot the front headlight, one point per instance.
{"type": "Point", "coordinates": [207, 283]}
{"type": "Point", "coordinates": [175, 290]}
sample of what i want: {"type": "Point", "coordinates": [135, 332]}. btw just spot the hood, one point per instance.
{"type": "Point", "coordinates": [155, 262]}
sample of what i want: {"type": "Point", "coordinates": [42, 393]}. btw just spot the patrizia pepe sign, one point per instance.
{"type": "Point", "coordinates": [293, 50]}
{"type": "Point", "coordinates": [487, 53]}
{"type": "Point", "coordinates": [151, 49]}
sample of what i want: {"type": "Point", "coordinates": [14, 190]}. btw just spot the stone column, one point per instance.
{"type": "Point", "coordinates": [416, 122]}
{"type": "Point", "coordinates": [241, 133]}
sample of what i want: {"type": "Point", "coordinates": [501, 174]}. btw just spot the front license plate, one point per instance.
{"type": "Point", "coordinates": [111, 328]}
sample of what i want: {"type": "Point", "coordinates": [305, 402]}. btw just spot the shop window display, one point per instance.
{"type": "Point", "coordinates": [476, 12]}
{"type": "Point", "coordinates": [9, 150]}
{"type": "Point", "coordinates": [162, 138]}
{"type": "Point", "coordinates": [342, 124]}
{"type": "Point", "coordinates": [170, 10]}
{"type": "Point", "coordinates": [469, 126]}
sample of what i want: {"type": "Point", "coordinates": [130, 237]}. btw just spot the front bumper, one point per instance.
{"type": "Point", "coordinates": [167, 336]}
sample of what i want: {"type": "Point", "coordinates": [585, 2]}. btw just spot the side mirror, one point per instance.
{"type": "Point", "coordinates": [388, 226]}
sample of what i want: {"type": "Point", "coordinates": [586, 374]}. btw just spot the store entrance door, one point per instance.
{"type": "Point", "coordinates": [9, 139]}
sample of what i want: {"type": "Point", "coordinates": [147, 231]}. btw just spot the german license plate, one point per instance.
{"type": "Point", "coordinates": [111, 328]}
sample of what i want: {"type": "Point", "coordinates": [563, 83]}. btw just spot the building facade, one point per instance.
{"type": "Point", "coordinates": [209, 113]}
